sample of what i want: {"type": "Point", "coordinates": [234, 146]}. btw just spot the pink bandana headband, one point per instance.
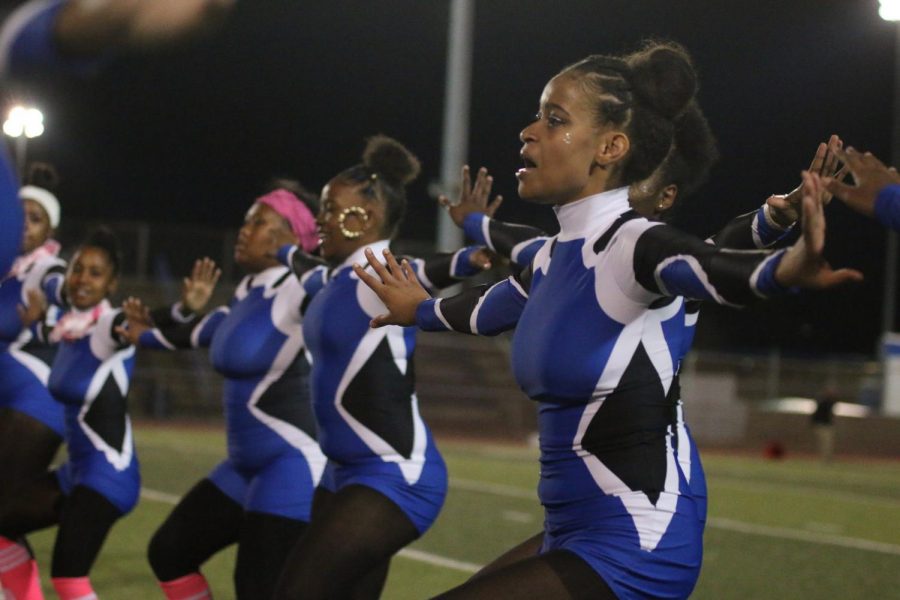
{"type": "Point", "coordinates": [297, 214]}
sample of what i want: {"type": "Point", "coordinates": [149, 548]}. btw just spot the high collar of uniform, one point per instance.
{"type": "Point", "coordinates": [359, 255]}
{"type": "Point", "coordinates": [576, 219]}
{"type": "Point", "coordinates": [267, 277]}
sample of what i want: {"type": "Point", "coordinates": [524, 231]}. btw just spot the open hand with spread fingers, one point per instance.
{"type": "Point", "coordinates": [473, 198]}
{"type": "Point", "coordinates": [870, 176]}
{"type": "Point", "coordinates": [786, 209]}
{"type": "Point", "coordinates": [197, 289]}
{"type": "Point", "coordinates": [396, 286]}
{"type": "Point", "coordinates": [803, 264]}
{"type": "Point", "coordinates": [137, 320]}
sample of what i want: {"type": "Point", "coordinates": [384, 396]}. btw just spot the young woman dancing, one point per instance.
{"type": "Point", "coordinates": [589, 346]}
{"type": "Point", "coordinates": [386, 481]}
{"type": "Point", "coordinates": [260, 496]}
{"type": "Point", "coordinates": [90, 375]}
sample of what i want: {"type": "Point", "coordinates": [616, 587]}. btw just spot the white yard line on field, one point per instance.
{"type": "Point", "coordinates": [408, 553]}
{"type": "Point", "coordinates": [716, 523]}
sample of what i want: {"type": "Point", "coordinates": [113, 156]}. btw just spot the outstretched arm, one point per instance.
{"type": "Point", "coordinates": [876, 191]}
{"type": "Point", "coordinates": [480, 310]}
{"type": "Point", "coordinates": [671, 263]}
{"type": "Point", "coordinates": [93, 27]}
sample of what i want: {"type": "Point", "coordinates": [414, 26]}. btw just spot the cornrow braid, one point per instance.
{"type": "Point", "coordinates": [642, 93]}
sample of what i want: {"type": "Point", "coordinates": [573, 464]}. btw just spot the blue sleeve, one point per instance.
{"type": "Point", "coordinates": [479, 310]}
{"type": "Point", "coordinates": [887, 207]}
{"type": "Point", "coordinates": [11, 218]}
{"type": "Point", "coordinates": [28, 43]}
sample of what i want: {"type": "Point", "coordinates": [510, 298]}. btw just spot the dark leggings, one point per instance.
{"type": "Point", "coordinates": [27, 448]}
{"type": "Point", "coordinates": [85, 520]}
{"type": "Point", "coordinates": [556, 575]}
{"type": "Point", "coordinates": [205, 522]}
{"type": "Point", "coordinates": [347, 548]}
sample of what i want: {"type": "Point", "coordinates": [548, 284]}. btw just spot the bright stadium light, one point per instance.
{"type": "Point", "coordinates": [24, 121]}
{"type": "Point", "coordinates": [22, 124]}
{"type": "Point", "coordinates": [889, 10]}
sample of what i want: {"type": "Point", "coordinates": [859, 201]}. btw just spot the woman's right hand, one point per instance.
{"type": "Point", "coordinates": [137, 320]}
{"type": "Point", "coordinates": [473, 198]}
{"type": "Point", "coordinates": [35, 308]}
{"type": "Point", "coordinates": [396, 286]}
{"type": "Point", "coordinates": [197, 289]}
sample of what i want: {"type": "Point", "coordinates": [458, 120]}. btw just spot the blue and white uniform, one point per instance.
{"type": "Point", "coordinates": [90, 376]}
{"type": "Point", "coordinates": [23, 371]}
{"type": "Point", "coordinates": [597, 345]}
{"type": "Point", "coordinates": [754, 230]}
{"type": "Point", "coordinates": [363, 390]}
{"type": "Point", "coordinates": [256, 342]}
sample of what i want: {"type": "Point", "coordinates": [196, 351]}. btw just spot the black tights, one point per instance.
{"type": "Point", "coordinates": [27, 448]}
{"type": "Point", "coordinates": [205, 522]}
{"type": "Point", "coordinates": [347, 548]}
{"type": "Point", "coordinates": [556, 575]}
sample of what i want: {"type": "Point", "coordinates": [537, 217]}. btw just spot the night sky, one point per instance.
{"type": "Point", "coordinates": [291, 87]}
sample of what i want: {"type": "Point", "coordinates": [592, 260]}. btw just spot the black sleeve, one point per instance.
{"type": "Point", "coordinates": [669, 262]}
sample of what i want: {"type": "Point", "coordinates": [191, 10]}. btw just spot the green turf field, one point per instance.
{"type": "Point", "coordinates": [788, 529]}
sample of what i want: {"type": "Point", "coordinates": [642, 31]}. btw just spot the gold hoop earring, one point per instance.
{"type": "Point", "coordinates": [353, 210]}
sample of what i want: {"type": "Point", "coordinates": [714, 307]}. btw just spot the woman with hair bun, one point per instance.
{"type": "Point", "coordinates": [385, 481]}
{"type": "Point", "coordinates": [590, 345]}
{"type": "Point", "coordinates": [31, 421]}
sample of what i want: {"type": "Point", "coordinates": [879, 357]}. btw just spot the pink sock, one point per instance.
{"type": "Point", "coordinates": [18, 572]}
{"type": "Point", "coordinates": [189, 587]}
{"type": "Point", "coordinates": [74, 588]}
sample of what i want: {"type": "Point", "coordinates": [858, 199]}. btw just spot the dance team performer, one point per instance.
{"type": "Point", "coordinates": [260, 496]}
{"type": "Point", "coordinates": [90, 376]}
{"type": "Point", "coordinates": [620, 520]}
{"type": "Point", "coordinates": [386, 481]}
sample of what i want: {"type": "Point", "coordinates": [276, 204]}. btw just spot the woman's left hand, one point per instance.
{"type": "Point", "coordinates": [803, 264]}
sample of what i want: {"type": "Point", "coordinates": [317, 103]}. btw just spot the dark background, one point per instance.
{"type": "Point", "coordinates": [292, 88]}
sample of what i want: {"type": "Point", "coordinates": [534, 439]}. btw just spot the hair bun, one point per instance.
{"type": "Point", "coordinates": [42, 175]}
{"type": "Point", "coordinates": [390, 159]}
{"type": "Point", "coordinates": [663, 77]}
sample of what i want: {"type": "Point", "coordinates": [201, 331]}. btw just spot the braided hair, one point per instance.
{"type": "Point", "coordinates": [643, 93]}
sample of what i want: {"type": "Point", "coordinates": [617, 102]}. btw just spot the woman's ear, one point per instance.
{"type": "Point", "coordinates": [611, 148]}
{"type": "Point", "coordinates": [666, 198]}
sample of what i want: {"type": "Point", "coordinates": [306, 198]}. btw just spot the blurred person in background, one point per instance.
{"type": "Point", "coordinates": [90, 375]}
{"type": "Point", "coordinates": [31, 421]}
{"type": "Point", "coordinates": [259, 497]}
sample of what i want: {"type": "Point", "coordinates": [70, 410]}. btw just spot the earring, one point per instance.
{"type": "Point", "coordinates": [360, 212]}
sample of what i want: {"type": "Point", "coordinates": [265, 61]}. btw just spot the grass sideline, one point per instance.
{"type": "Point", "coordinates": [789, 529]}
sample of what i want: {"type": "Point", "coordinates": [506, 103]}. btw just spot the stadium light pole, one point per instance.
{"type": "Point", "coordinates": [23, 123]}
{"type": "Point", "coordinates": [457, 88]}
